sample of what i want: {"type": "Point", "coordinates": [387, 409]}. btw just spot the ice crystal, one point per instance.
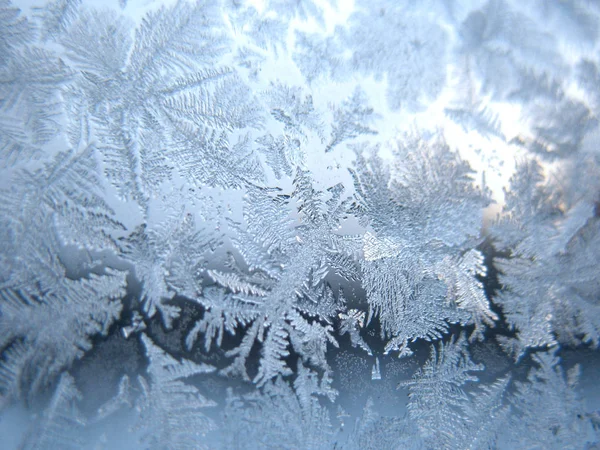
{"type": "Point", "coordinates": [284, 297]}
{"type": "Point", "coordinates": [410, 273]}
{"type": "Point", "coordinates": [222, 222]}
{"type": "Point", "coordinates": [559, 413]}
{"type": "Point", "coordinates": [171, 411]}
{"type": "Point", "coordinates": [552, 265]}
{"type": "Point", "coordinates": [281, 415]}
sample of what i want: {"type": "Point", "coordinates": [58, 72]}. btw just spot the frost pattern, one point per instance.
{"type": "Point", "coordinates": [559, 411]}
{"type": "Point", "coordinates": [247, 218]}
{"type": "Point", "coordinates": [284, 298]}
{"type": "Point", "coordinates": [281, 415]}
{"type": "Point", "coordinates": [410, 270]}
{"type": "Point", "coordinates": [59, 420]}
{"type": "Point", "coordinates": [171, 412]}
{"type": "Point", "coordinates": [553, 264]}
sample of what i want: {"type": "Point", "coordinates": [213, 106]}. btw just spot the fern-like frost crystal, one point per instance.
{"type": "Point", "coordinates": [299, 224]}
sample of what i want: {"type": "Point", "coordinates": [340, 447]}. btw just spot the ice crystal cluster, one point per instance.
{"type": "Point", "coordinates": [299, 224]}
